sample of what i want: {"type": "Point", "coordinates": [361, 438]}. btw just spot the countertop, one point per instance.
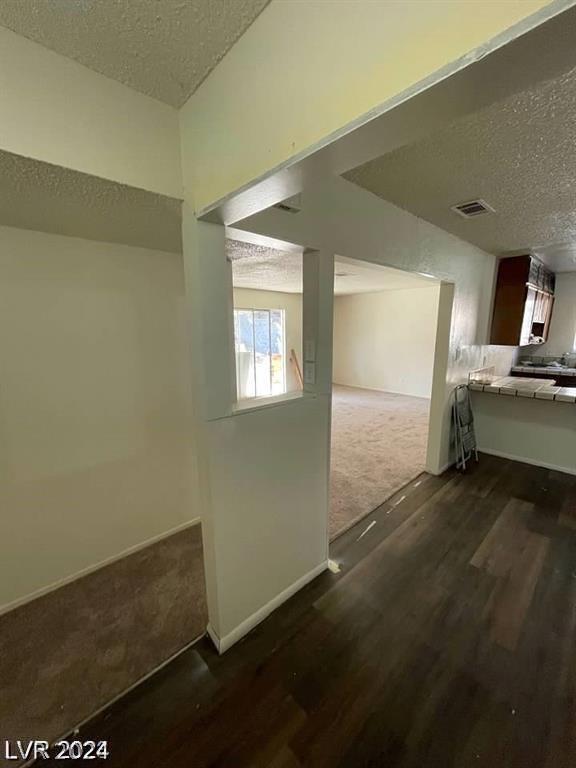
{"type": "Point", "coordinates": [515, 386]}
{"type": "Point", "coordinates": [549, 370]}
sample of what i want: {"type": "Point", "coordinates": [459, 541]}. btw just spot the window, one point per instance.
{"type": "Point", "coordinates": [260, 352]}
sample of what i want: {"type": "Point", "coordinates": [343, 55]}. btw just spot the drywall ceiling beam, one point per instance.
{"type": "Point", "coordinates": [302, 93]}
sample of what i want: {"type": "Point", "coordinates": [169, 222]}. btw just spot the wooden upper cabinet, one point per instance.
{"type": "Point", "coordinates": [522, 303]}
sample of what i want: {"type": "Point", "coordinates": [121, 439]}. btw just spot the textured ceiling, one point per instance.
{"type": "Point", "coordinates": [268, 269]}
{"type": "Point", "coordinates": [518, 155]}
{"type": "Point", "coordinates": [163, 48]}
{"type": "Point", "coordinates": [265, 269]}
{"type": "Point", "coordinates": [48, 198]}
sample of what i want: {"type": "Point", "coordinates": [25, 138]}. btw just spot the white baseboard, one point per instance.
{"type": "Point", "coordinates": [214, 637]}
{"type": "Point", "coordinates": [442, 469]}
{"type": "Point", "coordinates": [224, 643]}
{"type": "Point", "coordinates": [96, 567]}
{"type": "Point", "coordinates": [525, 460]}
{"type": "Point", "coordinates": [379, 389]}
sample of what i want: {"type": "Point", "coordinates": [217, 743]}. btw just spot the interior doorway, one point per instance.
{"type": "Point", "coordinates": [384, 346]}
{"type": "Point", "coordinates": [383, 359]}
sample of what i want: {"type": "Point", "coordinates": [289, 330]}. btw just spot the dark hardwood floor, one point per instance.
{"type": "Point", "coordinates": [447, 639]}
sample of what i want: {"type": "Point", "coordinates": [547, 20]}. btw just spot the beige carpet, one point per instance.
{"type": "Point", "coordinates": [378, 445]}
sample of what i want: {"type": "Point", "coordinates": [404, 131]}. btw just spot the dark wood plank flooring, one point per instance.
{"type": "Point", "coordinates": [447, 639]}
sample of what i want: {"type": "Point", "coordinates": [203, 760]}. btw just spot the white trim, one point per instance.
{"type": "Point", "coordinates": [442, 469]}
{"type": "Point", "coordinates": [251, 404]}
{"type": "Point", "coordinates": [214, 637]}
{"type": "Point", "coordinates": [521, 27]}
{"type": "Point", "coordinates": [378, 389]}
{"type": "Point", "coordinates": [222, 644]}
{"type": "Point", "coordinates": [91, 568]}
{"type": "Point", "coordinates": [526, 460]}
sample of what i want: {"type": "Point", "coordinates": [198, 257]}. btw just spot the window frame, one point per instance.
{"type": "Point", "coordinates": [269, 310]}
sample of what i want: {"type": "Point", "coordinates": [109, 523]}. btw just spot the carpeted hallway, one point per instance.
{"type": "Point", "coordinates": [378, 445]}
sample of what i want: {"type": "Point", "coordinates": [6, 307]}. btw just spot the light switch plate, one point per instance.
{"type": "Point", "coordinates": [310, 350]}
{"type": "Point", "coordinates": [309, 373]}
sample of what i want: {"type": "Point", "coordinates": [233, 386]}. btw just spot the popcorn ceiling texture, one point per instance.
{"type": "Point", "coordinates": [237, 249]}
{"type": "Point", "coordinates": [518, 155]}
{"type": "Point", "coordinates": [48, 198]}
{"type": "Point", "coordinates": [163, 49]}
{"type": "Point", "coordinates": [264, 269]}
{"type": "Point", "coordinates": [268, 269]}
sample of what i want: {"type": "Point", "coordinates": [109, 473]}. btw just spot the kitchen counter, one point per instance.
{"type": "Point", "coordinates": [539, 389]}
{"type": "Point", "coordinates": [530, 422]}
{"type": "Point", "coordinates": [549, 370]}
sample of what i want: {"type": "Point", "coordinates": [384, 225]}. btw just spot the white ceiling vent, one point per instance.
{"type": "Point", "coordinates": [472, 208]}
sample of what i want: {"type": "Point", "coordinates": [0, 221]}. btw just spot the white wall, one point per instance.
{"type": "Point", "coordinates": [562, 335]}
{"type": "Point", "coordinates": [263, 472]}
{"type": "Point", "coordinates": [386, 340]}
{"type": "Point", "coordinates": [538, 432]}
{"type": "Point", "coordinates": [55, 110]}
{"type": "Point", "coordinates": [327, 64]}
{"type": "Point", "coordinates": [95, 438]}
{"type": "Point", "coordinates": [268, 508]}
{"type": "Point", "coordinates": [291, 303]}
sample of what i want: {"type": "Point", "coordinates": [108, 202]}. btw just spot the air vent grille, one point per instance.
{"type": "Point", "coordinates": [472, 208]}
{"type": "Point", "coordinates": [290, 204]}
{"type": "Point", "coordinates": [287, 208]}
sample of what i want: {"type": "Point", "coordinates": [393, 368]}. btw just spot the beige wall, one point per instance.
{"type": "Point", "coordinates": [291, 303]}
{"type": "Point", "coordinates": [55, 110]}
{"type": "Point", "coordinates": [537, 432]}
{"type": "Point", "coordinates": [562, 334]}
{"type": "Point", "coordinates": [386, 340]}
{"type": "Point", "coordinates": [327, 64]}
{"type": "Point", "coordinates": [95, 452]}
